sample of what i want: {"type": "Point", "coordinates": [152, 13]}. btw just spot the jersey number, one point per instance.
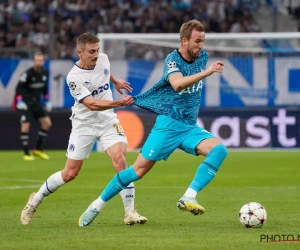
{"type": "Point", "coordinates": [119, 129]}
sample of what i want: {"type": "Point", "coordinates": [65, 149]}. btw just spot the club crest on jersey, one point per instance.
{"type": "Point", "coordinates": [106, 72]}
{"type": "Point", "coordinates": [195, 88]}
{"type": "Point", "coordinates": [72, 86]}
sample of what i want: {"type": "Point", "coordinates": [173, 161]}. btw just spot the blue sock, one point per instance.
{"type": "Point", "coordinates": [120, 181]}
{"type": "Point", "coordinates": [208, 169]}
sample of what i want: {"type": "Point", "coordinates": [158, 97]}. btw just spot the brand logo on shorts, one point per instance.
{"type": "Point", "coordinates": [71, 148]}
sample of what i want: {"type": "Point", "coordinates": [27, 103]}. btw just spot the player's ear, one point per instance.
{"type": "Point", "coordinates": [79, 52]}
{"type": "Point", "coordinates": [184, 41]}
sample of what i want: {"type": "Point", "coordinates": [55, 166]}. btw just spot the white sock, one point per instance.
{"type": "Point", "coordinates": [99, 204]}
{"type": "Point", "coordinates": [190, 193]}
{"type": "Point", "coordinates": [127, 195]}
{"type": "Point", "coordinates": [49, 187]}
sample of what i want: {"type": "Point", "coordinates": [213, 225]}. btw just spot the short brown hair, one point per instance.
{"type": "Point", "coordinates": [187, 28]}
{"type": "Point", "coordinates": [38, 53]}
{"type": "Point", "coordinates": [85, 38]}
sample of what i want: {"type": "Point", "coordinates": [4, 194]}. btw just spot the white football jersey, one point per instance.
{"type": "Point", "coordinates": [91, 82]}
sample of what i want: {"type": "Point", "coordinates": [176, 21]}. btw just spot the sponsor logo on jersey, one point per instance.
{"type": "Point", "coordinates": [195, 88]}
{"type": "Point", "coordinates": [100, 89]}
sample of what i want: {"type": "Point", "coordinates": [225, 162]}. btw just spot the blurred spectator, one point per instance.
{"type": "Point", "coordinates": [24, 23]}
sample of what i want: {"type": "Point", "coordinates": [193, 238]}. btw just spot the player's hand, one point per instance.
{"type": "Point", "coordinates": [127, 100]}
{"type": "Point", "coordinates": [48, 106]}
{"type": "Point", "coordinates": [121, 84]}
{"type": "Point", "coordinates": [21, 105]}
{"type": "Point", "coordinates": [215, 67]}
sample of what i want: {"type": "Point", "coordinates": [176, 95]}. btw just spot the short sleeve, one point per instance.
{"type": "Point", "coordinates": [77, 88]}
{"type": "Point", "coordinates": [171, 66]}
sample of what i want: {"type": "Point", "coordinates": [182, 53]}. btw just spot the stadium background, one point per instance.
{"type": "Point", "coordinates": [254, 103]}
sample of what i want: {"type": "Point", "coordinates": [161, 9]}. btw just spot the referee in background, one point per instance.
{"type": "Point", "coordinates": [32, 102]}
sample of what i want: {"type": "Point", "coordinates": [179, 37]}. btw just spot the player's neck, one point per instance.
{"type": "Point", "coordinates": [185, 55]}
{"type": "Point", "coordinates": [81, 65]}
{"type": "Point", "coordinates": [37, 69]}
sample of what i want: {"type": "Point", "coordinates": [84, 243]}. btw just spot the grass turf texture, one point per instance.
{"type": "Point", "coordinates": [270, 178]}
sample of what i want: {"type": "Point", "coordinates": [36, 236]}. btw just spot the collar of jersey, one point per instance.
{"type": "Point", "coordinates": [190, 62]}
{"type": "Point", "coordinates": [82, 68]}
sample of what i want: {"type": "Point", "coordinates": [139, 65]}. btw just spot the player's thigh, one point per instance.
{"type": "Point", "coordinates": [160, 144]}
{"type": "Point", "coordinates": [193, 138]}
{"type": "Point", "coordinates": [45, 122]}
{"type": "Point", "coordinates": [81, 141]}
{"type": "Point", "coordinates": [25, 116]}
{"type": "Point", "coordinates": [110, 135]}
{"type": "Point", "coordinates": [38, 111]}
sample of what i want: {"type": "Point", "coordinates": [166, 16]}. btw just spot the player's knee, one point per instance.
{"type": "Point", "coordinates": [218, 155]}
{"type": "Point", "coordinates": [48, 125]}
{"type": "Point", "coordinates": [25, 127]}
{"type": "Point", "coordinates": [119, 162]}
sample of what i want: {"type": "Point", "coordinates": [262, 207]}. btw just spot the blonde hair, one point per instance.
{"type": "Point", "coordinates": [85, 38]}
{"type": "Point", "coordinates": [187, 28]}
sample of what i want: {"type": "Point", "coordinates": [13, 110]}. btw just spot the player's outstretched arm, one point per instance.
{"type": "Point", "coordinates": [180, 82]}
{"type": "Point", "coordinates": [100, 105]}
{"type": "Point", "coordinates": [120, 84]}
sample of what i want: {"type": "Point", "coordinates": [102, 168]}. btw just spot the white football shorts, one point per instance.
{"type": "Point", "coordinates": [83, 137]}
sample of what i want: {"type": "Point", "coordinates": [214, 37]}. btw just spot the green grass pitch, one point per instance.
{"type": "Point", "coordinates": [270, 178]}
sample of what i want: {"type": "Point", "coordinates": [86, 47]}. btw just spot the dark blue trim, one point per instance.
{"type": "Point", "coordinates": [128, 187]}
{"type": "Point", "coordinates": [119, 179]}
{"type": "Point", "coordinates": [84, 97]}
{"type": "Point", "coordinates": [82, 68]}
{"type": "Point", "coordinates": [210, 166]}
{"type": "Point", "coordinates": [47, 187]}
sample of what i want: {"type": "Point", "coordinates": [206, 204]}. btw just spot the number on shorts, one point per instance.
{"type": "Point", "coordinates": [119, 128]}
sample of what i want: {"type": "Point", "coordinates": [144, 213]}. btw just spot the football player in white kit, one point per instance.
{"type": "Point", "coordinates": [93, 119]}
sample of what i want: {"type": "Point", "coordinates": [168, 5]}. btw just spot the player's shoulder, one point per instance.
{"type": "Point", "coordinates": [203, 58]}
{"type": "Point", "coordinates": [29, 71]}
{"type": "Point", "coordinates": [204, 53]}
{"type": "Point", "coordinates": [45, 71]}
{"type": "Point", "coordinates": [172, 60]}
{"type": "Point", "coordinates": [74, 74]}
{"type": "Point", "coordinates": [172, 56]}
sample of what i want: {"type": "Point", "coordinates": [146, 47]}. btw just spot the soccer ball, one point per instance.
{"type": "Point", "coordinates": [253, 215]}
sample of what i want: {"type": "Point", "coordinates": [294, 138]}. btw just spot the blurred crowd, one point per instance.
{"type": "Point", "coordinates": [25, 23]}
